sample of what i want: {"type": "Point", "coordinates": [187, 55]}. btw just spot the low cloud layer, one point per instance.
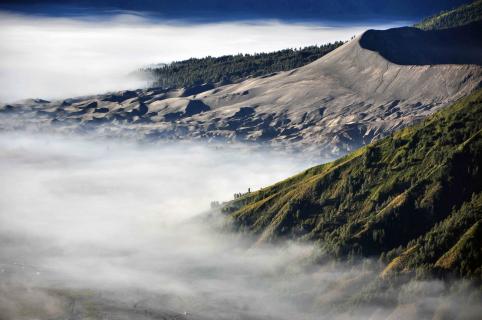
{"type": "Point", "coordinates": [49, 58]}
{"type": "Point", "coordinates": [106, 216]}
{"type": "Point", "coordinates": [104, 229]}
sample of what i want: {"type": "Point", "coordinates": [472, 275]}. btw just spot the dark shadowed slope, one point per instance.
{"type": "Point", "coordinates": [413, 198]}
{"type": "Point", "coordinates": [412, 46]}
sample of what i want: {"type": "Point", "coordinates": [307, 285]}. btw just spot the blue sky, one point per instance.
{"type": "Point", "coordinates": [221, 10]}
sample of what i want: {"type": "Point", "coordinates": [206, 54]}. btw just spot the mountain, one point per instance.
{"type": "Point", "coordinates": [430, 48]}
{"type": "Point", "coordinates": [457, 17]}
{"type": "Point", "coordinates": [357, 93]}
{"type": "Point", "coordinates": [412, 199]}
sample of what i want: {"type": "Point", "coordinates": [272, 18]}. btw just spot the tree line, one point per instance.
{"type": "Point", "coordinates": [233, 68]}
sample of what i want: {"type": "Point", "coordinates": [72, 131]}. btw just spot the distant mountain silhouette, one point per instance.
{"type": "Point", "coordinates": [412, 46]}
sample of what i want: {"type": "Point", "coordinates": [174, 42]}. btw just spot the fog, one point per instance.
{"type": "Point", "coordinates": [45, 57]}
{"type": "Point", "coordinates": [113, 230]}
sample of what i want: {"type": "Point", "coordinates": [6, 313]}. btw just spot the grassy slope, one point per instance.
{"type": "Point", "coordinates": [412, 197]}
{"type": "Point", "coordinates": [454, 18]}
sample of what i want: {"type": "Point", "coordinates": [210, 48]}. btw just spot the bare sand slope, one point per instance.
{"type": "Point", "coordinates": [335, 104]}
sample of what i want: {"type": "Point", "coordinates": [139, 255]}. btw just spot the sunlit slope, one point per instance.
{"type": "Point", "coordinates": [413, 197]}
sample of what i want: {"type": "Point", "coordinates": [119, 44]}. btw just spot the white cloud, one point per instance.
{"type": "Point", "coordinates": [107, 229]}
{"type": "Point", "coordinates": [48, 58]}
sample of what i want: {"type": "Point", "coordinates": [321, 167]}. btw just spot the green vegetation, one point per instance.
{"type": "Point", "coordinates": [232, 68]}
{"type": "Point", "coordinates": [457, 17]}
{"type": "Point", "coordinates": [413, 199]}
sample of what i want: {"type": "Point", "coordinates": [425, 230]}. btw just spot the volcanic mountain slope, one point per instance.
{"type": "Point", "coordinates": [347, 98]}
{"type": "Point", "coordinates": [414, 198]}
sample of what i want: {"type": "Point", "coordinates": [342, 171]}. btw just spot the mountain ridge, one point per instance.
{"type": "Point", "coordinates": [346, 99]}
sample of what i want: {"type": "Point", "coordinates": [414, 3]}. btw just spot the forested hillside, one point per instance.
{"type": "Point", "coordinates": [412, 199]}
{"type": "Point", "coordinates": [457, 17]}
{"type": "Point", "coordinates": [232, 68]}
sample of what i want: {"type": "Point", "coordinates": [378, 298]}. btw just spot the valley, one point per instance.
{"type": "Point", "coordinates": [341, 180]}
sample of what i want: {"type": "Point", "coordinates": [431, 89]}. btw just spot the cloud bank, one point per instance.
{"type": "Point", "coordinates": [42, 57]}
{"type": "Point", "coordinates": [107, 229]}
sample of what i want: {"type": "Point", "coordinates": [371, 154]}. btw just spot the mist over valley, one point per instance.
{"type": "Point", "coordinates": [247, 160]}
